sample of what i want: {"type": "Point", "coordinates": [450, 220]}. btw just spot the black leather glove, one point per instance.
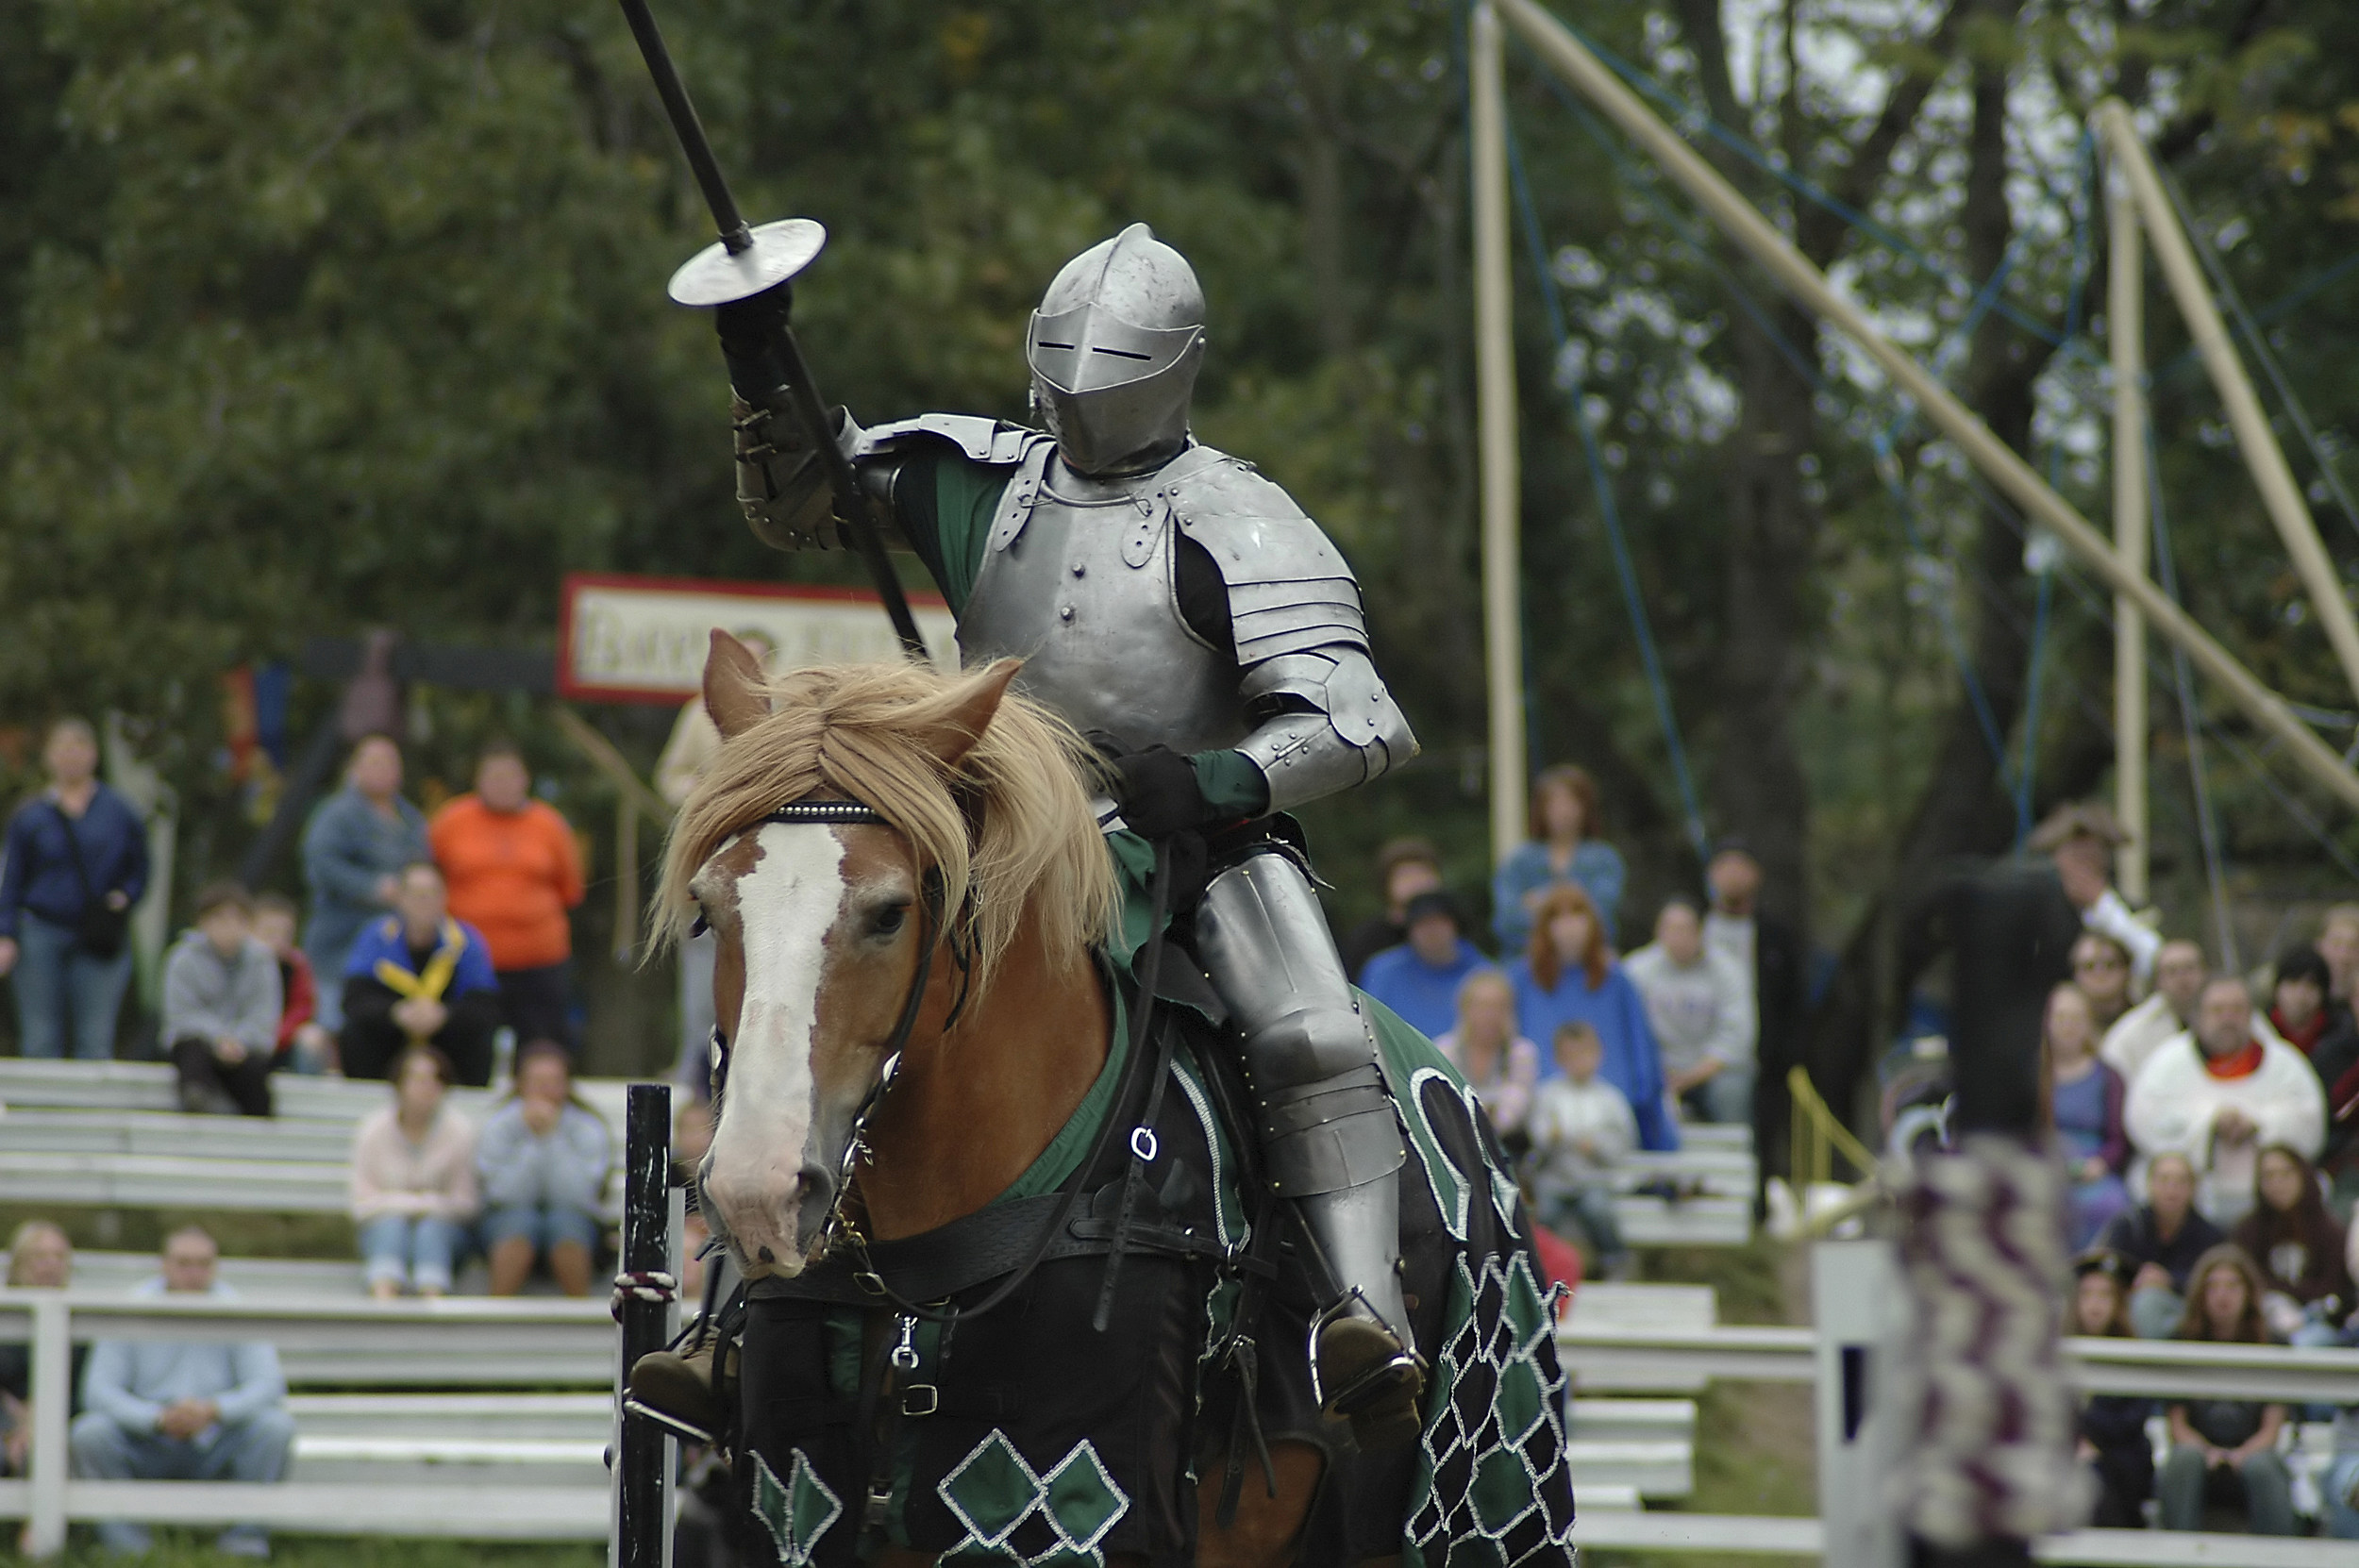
{"type": "Point", "coordinates": [1159, 792]}
{"type": "Point", "coordinates": [748, 329]}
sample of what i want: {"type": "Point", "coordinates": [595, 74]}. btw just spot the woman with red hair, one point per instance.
{"type": "Point", "coordinates": [1567, 974]}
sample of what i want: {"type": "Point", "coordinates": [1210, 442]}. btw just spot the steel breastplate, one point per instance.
{"type": "Point", "coordinates": [1079, 580]}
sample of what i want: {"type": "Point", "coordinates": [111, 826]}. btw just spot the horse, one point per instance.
{"type": "Point", "coordinates": [924, 1034]}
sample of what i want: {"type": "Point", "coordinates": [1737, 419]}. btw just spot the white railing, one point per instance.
{"type": "Point", "coordinates": [474, 1341]}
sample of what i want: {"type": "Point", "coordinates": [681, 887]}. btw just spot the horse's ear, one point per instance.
{"type": "Point", "coordinates": [954, 734]}
{"type": "Point", "coordinates": [733, 686]}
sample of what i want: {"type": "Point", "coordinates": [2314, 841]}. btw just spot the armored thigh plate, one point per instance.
{"type": "Point", "coordinates": [1325, 1122]}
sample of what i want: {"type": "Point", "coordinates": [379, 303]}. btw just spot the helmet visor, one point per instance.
{"type": "Point", "coordinates": [1089, 348]}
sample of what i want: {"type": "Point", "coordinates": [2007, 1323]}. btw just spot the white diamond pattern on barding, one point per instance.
{"type": "Point", "coordinates": [995, 1445]}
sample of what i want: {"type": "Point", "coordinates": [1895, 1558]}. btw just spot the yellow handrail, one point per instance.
{"type": "Point", "coordinates": [1818, 1134]}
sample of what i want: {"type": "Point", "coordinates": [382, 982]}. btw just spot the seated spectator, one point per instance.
{"type": "Point", "coordinates": [2162, 1241]}
{"type": "Point", "coordinates": [514, 871]}
{"type": "Point", "coordinates": [39, 1258]}
{"type": "Point", "coordinates": [2081, 840]}
{"type": "Point", "coordinates": [303, 1046]}
{"type": "Point", "coordinates": [543, 1156]}
{"type": "Point", "coordinates": [2113, 1426]}
{"type": "Point", "coordinates": [1569, 975]}
{"type": "Point", "coordinates": [414, 1181]}
{"type": "Point", "coordinates": [2219, 1096]}
{"type": "Point", "coordinates": [2299, 1013]}
{"type": "Point", "coordinates": [173, 1410]}
{"type": "Point", "coordinates": [1564, 850]}
{"type": "Point", "coordinates": [1501, 1066]}
{"type": "Point", "coordinates": [2225, 1450]}
{"type": "Point", "coordinates": [2179, 970]}
{"type": "Point", "coordinates": [2086, 1097]}
{"type": "Point", "coordinates": [418, 977]}
{"type": "Point", "coordinates": [1582, 1127]}
{"type": "Point", "coordinates": [2339, 944]}
{"type": "Point", "coordinates": [1701, 1003]}
{"type": "Point", "coordinates": [1404, 868]}
{"type": "Point", "coordinates": [221, 1007]}
{"type": "Point", "coordinates": [1419, 979]}
{"type": "Point", "coordinates": [2100, 967]}
{"type": "Point", "coordinates": [2302, 1251]}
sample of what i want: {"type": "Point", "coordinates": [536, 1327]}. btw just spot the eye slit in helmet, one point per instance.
{"type": "Point", "coordinates": [1119, 353]}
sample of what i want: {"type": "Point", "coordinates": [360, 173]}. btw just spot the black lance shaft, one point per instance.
{"type": "Point", "coordinates": [642, 1526]}
{"type": "Point", "coordinates": [853, 508]}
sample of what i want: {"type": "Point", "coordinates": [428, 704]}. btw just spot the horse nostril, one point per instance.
{"type": "Point", "coordinates": [767, 1255]}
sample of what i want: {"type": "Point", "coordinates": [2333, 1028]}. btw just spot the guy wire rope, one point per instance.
{"type": "Point", "coordinates": [1624, 572]}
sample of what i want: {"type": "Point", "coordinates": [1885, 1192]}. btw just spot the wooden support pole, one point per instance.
{"type": "Point", "coordinates": [2008, 471]}
{"type": "Point", "coordinates": [2125, 330]}
{"type": "Point", "coordinates": [1494, 418]}
{"type": "Point", "coordinates": [2280, 494]}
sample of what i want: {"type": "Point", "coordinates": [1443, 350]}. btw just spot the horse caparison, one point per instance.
{"type": "Point", "coordinates": [818, 928]}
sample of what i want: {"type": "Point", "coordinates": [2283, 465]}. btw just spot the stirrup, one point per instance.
{"type": "Point", "coordinates": [667, 1386]}
{"type": "Point", "coordinates": [1379, 1380]}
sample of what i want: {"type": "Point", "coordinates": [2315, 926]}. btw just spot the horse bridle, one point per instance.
{"type": "Point", "coordinates": [933, 931]}
{"type": "Point", "coordinates": [840, 1228]}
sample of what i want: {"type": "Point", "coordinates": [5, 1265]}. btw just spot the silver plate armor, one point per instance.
{"type": "Point", "coordinates": [1078, 581]}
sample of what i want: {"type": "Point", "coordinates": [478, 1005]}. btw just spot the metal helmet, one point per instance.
{"type": "Point", "coordinates": [1114, 348]}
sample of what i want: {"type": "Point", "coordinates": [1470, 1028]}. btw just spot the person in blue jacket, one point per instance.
{"type": "Point", "coordinates": [1567, 974]}
{"type": "Point", "coordinates": [76, 863]}
{"type": "Point", "coordinates": [1419, 979]}
{"type": "Point", "coordinates": [354, 848]}
{"type": "Point", "coordinates": [1563, 847]}
{"type": "Point", "coordinates": [420, 976]}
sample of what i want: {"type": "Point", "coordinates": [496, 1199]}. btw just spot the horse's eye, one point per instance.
{"type": "Point", "coordinates": [699, 928]}
{"type": "Point", "coordinates": [891, 919]}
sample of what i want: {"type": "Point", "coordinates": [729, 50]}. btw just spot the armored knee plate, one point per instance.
{"type": "Point", "coordinates": [1325, 1123]}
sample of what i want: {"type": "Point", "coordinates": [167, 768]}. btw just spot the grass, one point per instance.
{"type": "Point", "coordinates": [240, 1234]}
{"type": "Point", "coordinates": [1755, 1442]}
{"type": "Point", "coordinates": [194, 1549]}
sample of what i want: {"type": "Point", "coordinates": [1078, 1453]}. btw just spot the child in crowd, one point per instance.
{"type": "Point", "coordinates": [221, 1007]}
{"type": "Point", "coordinates": [543, 1156]}
{"type": "Point", "coordinates": [2113, 1426]}
{"type": "Point", "coordinates": [304, 1046]}
{"type": "Point", "coordinates": [2225, 1450]}
{"type": "Point", "coordinates": [1582, 1127]}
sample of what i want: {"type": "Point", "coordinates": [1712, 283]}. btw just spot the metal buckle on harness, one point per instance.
{"type": "Point", "coordinates": [921, 1399]}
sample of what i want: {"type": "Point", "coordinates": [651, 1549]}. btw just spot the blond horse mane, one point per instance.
{"type": "Point", "coordinates": [1009, 824]}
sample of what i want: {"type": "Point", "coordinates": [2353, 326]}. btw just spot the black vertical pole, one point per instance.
{"type": "Point", "coordinates": [641, 1532]}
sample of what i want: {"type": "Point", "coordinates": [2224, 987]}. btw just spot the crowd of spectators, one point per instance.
{"type": "Point", "coordinates": [1670, 1032]}
{"type": "Point", "coordinates": [453, 931]}
{"type": "Point", "coordinates": [2205, 1119]}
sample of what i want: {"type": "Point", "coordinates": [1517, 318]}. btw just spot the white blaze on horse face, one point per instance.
{"type": "Point", "coordinates": [786, 905]}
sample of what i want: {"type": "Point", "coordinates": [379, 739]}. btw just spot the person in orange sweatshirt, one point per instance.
{"type": "Point", "coordinates": [515, 872]}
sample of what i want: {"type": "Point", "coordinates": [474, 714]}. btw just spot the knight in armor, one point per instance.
{"type": "Point", "coordinates": [1183, 613]}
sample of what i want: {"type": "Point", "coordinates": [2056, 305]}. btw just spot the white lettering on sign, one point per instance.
{"type": "Point", "coordinates": [644, 639]}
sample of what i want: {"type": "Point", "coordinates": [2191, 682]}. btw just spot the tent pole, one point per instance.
{"type": "Point", "coordinates": [2275, 481]}
{"type": "Point", "coordinates": [1495, 406]}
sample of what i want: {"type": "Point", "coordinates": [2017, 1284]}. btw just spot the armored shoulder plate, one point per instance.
{"type": "Point", "coordinates": [983, 441]}
{"type": "Point", "coordinates": [1289, 587]}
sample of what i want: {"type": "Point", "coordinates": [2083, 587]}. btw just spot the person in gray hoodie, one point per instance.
{"type": "Point", "coordinates": [221, 1007]}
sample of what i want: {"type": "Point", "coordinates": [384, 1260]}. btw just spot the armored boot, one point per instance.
{"type": "Point", "coordinates": [1328, 1135]}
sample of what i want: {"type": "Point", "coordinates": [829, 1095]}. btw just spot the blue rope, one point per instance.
{"type": "Point", "coordinates": [1626, 574]}
{"type": "Point", "coordinates": [2190, 719]}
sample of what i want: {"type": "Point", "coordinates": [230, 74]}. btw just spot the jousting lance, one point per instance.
{"type": "Point", "coordinates": [749, 261]}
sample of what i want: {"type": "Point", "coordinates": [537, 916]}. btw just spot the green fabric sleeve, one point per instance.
{"type": "Point", "coordinates": [1232, 783]}
{"type": "Point", "coordinates": [967, 495]}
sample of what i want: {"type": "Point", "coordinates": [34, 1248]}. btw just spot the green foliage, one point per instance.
{"type": "Point", "coordinates": [193, 1549]}
{"type": "Point", "coordinates": [319, 317]}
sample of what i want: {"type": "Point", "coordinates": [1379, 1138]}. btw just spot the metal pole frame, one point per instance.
{"type": "Point", "coordinates": [1495, 419]}
{"type": "Point", "coordinates": [2280, 494]}
{"type": "Point", "coordinates": [1566, 55]}
{"type": "Point", "coordinates": [2125, 332]}
{"type": "Point", "coordinates": [644, 1460]}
